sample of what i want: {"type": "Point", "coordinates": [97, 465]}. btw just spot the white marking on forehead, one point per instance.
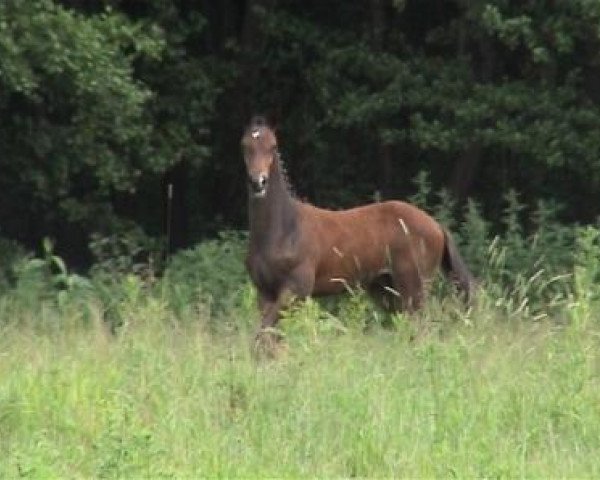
{"type": "Point", "coordinates": [255, 133]}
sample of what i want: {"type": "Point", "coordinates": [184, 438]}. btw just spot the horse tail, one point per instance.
{"type": "Point", "coordinates": [456, 269]}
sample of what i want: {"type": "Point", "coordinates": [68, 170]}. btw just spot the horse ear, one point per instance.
{"type": "Point", "coordinates": [265, 120]}
{"type": "Point", "coordinates": [258, 121]}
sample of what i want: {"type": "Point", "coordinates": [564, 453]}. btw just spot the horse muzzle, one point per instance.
{"type": "Point", "coordinates": [258, 185]}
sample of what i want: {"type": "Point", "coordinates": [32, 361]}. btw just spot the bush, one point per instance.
{"type": "Point", "coordinates": [44, 288]}
{"type": "Point", "coordinates": [211, 274]}
{"type": "Point", "coordinates": [530, 268]}
{"type": "Point", "coordinates": [11, 253]}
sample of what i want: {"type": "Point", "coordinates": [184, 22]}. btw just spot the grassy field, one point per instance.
{"type": "Point", "coordinates": [448, 394]}
{"type": "Point", "coordinates": [124, 374]}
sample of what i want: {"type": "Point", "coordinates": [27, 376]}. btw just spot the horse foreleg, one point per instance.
{"type": "Point", "coordinates": [298, 285]}
{"type": "Point", "coordinates": [267, 340]}
{"type": "Point", "coordinates": [269, 310]}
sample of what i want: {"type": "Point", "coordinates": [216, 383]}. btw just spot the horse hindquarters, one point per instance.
{"type": "Point", "coordinates": [408, 283]}
{"type": "Point", "coordinates": [417, 242]}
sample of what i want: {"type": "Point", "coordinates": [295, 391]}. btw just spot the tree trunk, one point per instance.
{"type": "Point", "coordinates": [176, 219]}
{"type": "Point", "coordinates": [378, 27]}
{"type": "Point", "coordinates": [464, 172]}
{"type": "Point", "coordinates": [466, 165]}
{"type": "Point", "coordinates": [251, 43]}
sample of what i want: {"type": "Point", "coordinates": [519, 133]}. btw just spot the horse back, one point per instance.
{"type": "Point", "coordinates": [359, 243]}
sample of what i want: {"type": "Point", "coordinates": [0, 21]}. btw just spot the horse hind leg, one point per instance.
{"type": "Point", "coordinates": [381, 290]}
{"type": "Point", "coordinates": [409, 286]}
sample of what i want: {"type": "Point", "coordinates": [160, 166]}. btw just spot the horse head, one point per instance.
{"type": "Point", "coordinates": [259, 146]}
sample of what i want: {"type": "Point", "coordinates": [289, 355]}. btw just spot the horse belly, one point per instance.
{"type": "Point", "coordinates": [347, 269]}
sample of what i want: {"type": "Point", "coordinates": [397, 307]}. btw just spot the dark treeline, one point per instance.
{"type": "Point", "coordinates": [105, 103]}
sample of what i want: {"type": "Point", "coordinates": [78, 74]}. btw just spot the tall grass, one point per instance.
{"type": "Point", "coordinates": [125, 376]}
{"type": "Point", "coordinates": [482, 399]}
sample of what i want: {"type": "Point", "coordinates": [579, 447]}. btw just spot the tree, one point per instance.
{"type": "Point", "coordinates": [81, 126]}
{"type": "Point", "coordinates": [104, 104]}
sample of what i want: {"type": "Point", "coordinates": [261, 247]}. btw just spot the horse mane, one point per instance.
{"type": "Point", "coordinates": [284, 175]}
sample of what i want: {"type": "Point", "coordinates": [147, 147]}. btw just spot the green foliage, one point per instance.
{"type": "Point", "coordinates": [586, 293]}
{"type": "Point", "coordinates": [211, 274]}
{"type": "Point", "coordinates": [46, 279]}
{"type": "Point", "coordinates": [163, 400]}
{"type": "Point", "coordinates": [529, 112]}
{"type": "Point", "coordinates": [476, 235]}
{"type": "Point", "coordinates": [105, 103]}
{"type": "Point", "coordinates": [422, 197]}
{"type": "Point", "coordinates": [72, 82]}
{"type": "Point", "coordinates": [11, 253]}
{"type": "Point", "coordinates": [127, 250]}
{"type": "Point", "coordinates": [79, 121]}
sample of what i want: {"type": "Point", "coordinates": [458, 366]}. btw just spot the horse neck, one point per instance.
{"type": "Point", "coordinates": [275, 215]}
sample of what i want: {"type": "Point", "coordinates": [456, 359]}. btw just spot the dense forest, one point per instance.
{"type": "Point", "coordinates": [106, 106]}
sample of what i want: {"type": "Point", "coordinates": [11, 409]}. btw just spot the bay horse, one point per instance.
{"type": "Point", "coordinates": [298, 250]}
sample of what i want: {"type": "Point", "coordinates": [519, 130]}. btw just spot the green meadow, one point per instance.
{"type": "Point", "coordinates": [130, 375]}
{"type": "Point", "coordinates": [468, 394]}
